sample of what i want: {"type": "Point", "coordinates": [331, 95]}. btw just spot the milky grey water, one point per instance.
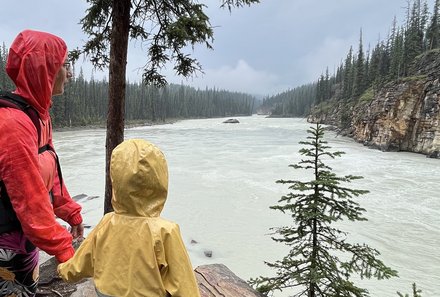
{"type": "Point", "coordinates": [222, 182]}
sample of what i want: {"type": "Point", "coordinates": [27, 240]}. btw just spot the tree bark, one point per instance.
{"type": "Point", "coordinates": [117, 85]}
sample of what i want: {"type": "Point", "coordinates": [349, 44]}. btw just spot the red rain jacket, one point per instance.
{"type": "Point", "coordinates": [33, 62]}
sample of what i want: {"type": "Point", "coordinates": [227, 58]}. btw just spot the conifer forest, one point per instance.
{"type": "Point", "coordinates": [84, 102]}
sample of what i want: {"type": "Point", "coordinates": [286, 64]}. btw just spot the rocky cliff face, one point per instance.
{"type": "Point", "coordinates": [403, 116]}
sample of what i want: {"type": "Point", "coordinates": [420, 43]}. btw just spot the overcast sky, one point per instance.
{"type": "Point", "coordinates": [263, 49]}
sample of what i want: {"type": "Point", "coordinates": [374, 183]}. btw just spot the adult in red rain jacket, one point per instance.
{"type": "Point", "coordinates": [37, 64]}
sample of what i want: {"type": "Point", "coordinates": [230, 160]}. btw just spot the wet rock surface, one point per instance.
{"type": "Point", "coordinates": [52, 285]}
{"type": "Point", "coordinates": [214, 280]}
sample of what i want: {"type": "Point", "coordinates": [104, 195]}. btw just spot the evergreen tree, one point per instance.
{"type": "Point", "coordinates": [339, 72]}
{"type": "Point", "coordinates": [367, 81]}
{"type": "Point", "coordinates": [298, 101]}
{"type": "Point", "coordinates": [2, 70]}
{"type": "Point", "coordinates": [415, 292]}
{"type": "Point", "coordinates": [433, 31]}
{"type": "Point", "coordinates": [397, 54]}
{"type": "Point", "coordinates": [327, 85]}
{"type": "Point", "coordinates": [359, 71]}
{"type": "Point", "coordinates": [5, 82]}
{"type": "Point", "coordinates": [314, 264]}
{"type": "Point", "coordinates": [320, 90]}
{"type": "Point", "coordinates": [414, 33]}
{"type": "Point", "coordinates": [424, 16]}
{"type": "Point", "coordinates": [374, 69]}
{"type": "Point", "coordinates": [347, 87]}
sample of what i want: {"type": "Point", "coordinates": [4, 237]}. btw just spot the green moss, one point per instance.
{"type": "Point", "coordinates": [367, 96]}
{"type": "Point", "coordinates": [326, 108]}
{"type": "Point", "coordinates": [424, 54]}
{"type": "Point", "coordinates": [415, 77]}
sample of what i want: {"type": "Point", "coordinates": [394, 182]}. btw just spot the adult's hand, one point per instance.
{"type": "Point", "coordinates": [77, 231]}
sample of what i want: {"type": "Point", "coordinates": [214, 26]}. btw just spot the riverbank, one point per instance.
{"type": "Point", "coordinates": [128, 125]}
{"type": "Point", "coordinates": [138, 123]}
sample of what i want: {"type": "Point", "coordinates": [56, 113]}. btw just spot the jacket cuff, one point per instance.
{"type": "Point", "coordinates": [66, 255]}
{"type": "Point", "coordinates": [75, 220]}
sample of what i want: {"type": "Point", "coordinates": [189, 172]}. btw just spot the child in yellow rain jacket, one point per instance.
{"type": "Point", "coordinates": [133, 251]}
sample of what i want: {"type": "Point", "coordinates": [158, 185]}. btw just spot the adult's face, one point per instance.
{"type": "Point", "coordinates": [61, 78]}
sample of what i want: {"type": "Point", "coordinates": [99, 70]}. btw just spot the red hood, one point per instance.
{"type": "Point", "coordinates": [34, 60]}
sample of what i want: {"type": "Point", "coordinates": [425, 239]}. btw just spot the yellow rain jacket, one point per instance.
{"type": "Point", "coordinates": [133, 251]}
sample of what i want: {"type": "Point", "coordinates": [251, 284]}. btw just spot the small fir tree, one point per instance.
{"type": "Point", "coordinates": [415, 292]}
{"type": "Point", "coordinates": [321, 261]}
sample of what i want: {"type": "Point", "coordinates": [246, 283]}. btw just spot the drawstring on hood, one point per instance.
{"type": "Point", "coordinates": [34, 60]}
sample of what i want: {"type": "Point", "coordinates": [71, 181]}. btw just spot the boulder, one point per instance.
{"type": "Point", "coordinates": [216, 280]}
{"type": "Point", "coordinates": [231, 121]}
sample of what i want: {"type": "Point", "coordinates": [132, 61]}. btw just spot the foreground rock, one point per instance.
{"type": "Point", "coordinates": [214, 280]}
{"type": "Point", "coordinates": [52, 285]}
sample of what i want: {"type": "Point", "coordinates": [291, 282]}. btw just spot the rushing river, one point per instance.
{"type": "Point", "coordinates": [222, 182]}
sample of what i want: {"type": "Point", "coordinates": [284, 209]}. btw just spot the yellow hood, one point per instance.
{"type": "Point", "coordinates": [139, 175]}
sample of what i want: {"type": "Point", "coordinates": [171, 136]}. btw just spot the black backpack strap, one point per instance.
{"type": "Point", "coordinates": [47, 147]}
{"type": "Point", "coordinates": [8, 218]}
{"type": "Point", "coordinates": [8, 99]}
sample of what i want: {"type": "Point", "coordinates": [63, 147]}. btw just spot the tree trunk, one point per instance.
{"type": "Point", "coordinates": [116, 102]}
{"type": "Point", "coordinates": [313, 266]}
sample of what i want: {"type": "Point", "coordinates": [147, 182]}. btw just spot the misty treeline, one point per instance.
{"type": "Point", "coordinates": [84, 102]}
{"type": "Point", "coordinates": [364, 72]}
